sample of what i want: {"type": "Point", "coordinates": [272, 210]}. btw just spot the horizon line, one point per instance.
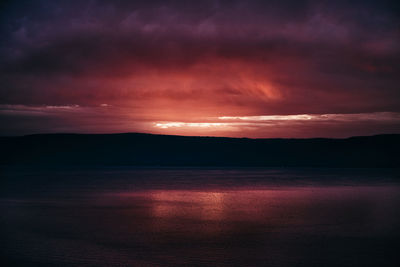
{"type": "Point", "coordinates": [196, 136]}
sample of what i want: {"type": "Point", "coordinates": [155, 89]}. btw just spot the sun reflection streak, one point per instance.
{"type": "Point", "coordinates": [201, 205]}
{"type": "Point", "coordinates": [214, 212]}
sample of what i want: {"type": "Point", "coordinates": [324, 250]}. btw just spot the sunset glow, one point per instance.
{"type": "Point", "coordinates": [190, 124]}
{"type": "Point", "coordinates": [315, 69]}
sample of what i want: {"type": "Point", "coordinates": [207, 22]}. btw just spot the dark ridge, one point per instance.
{"type": "Point", "coordinates": [135, 149]}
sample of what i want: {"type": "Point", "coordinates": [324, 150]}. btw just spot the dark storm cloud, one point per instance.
{"type": "Point", "coordinates": [234, 57]}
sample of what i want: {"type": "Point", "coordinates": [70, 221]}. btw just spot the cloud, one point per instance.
{"type": "Point", "coordinates": [299, 125]}
{"type": "Point", "coordinates": [375, 116]}
{"type": "Point", "coordinates": [179, 60]}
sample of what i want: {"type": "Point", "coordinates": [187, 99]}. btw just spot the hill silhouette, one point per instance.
{"type": "Point", "coordinates": [137, 149]}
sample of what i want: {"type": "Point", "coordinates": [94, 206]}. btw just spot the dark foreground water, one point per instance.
{"type": "Point", "coordinates": [197, 217]}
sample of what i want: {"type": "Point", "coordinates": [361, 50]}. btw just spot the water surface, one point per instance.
{"type": "Point", "coordinates": [197, 217]}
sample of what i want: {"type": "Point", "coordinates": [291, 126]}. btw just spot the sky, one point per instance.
{"type": "Point", "coordinates": [258, 69]}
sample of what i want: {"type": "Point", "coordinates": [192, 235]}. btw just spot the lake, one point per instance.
{"type": "Point", "coordinates": [125, 216]}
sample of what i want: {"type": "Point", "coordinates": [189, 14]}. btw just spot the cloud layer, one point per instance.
{"type": "Point", "coordinates": [179, 61]}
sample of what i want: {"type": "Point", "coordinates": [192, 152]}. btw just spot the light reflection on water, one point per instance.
{"type": "Point", "coordinates": [357, 209]}
{"type": "Point", "coordinates": [107, 223]}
